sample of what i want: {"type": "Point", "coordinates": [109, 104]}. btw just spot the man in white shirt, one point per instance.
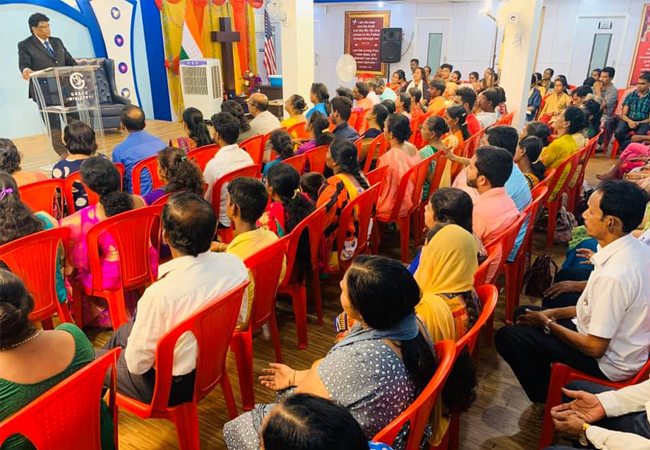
{"type": "Point", "coordinates": [488, 100]}
{"type": "Point", "coordinates": [229, 157]}
{"type": "Point", "coordinates": [607, 334]}
{"type": "Point", "coordinates": [604, 417]}
{"type": "Point", "coordinates": [263, 121]}
{"type": "Point", "coordinates": [372, 95]}
{"type": "Point", "coordinates": [192, 279]}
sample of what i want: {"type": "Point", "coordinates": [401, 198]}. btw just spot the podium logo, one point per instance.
{"type": "Point", "coordinates": [77, 81]}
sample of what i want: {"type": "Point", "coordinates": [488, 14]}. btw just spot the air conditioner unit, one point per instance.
{"type": "Point", "coordinates": [201, 84]}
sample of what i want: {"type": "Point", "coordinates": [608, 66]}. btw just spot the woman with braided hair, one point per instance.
{"type": "Point", "coordinates": [102, 177]}
{"type": "Point", "coordinates": [340, 189]}
{"type": "Point", "coordinates": [198, 134]}
{"type": "Point", "coordinates": [178, 173]}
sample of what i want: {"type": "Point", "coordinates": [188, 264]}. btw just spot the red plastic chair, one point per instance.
{"type": "Point", "coordinates": [316, 158]}
{"type": "Point", "coordinates": [354, 116]}
{"type": "Point", "coordinates": [361, 209]}
{"type": "Point", "coordinates": [263, 145]}
{"type": "Point", "coordinates": [561, 375]}
{"type": "Point", "coordinates": [416, 135]}
{"type": "Point", "coordinates": [202, 155]}
{"type": "Point", "coordinates": [265, 268]}
{"type": "Point", "coordinates": [575, 190]}
{"type": "Point", "coordinates": [33, 259]}
{"type": "Point", "coordinates": [377, 176]}
{"type": "Point", "coordinates": [481, 275]}
{"type": "Point", "coordinates": [506, 120]}
{"type": "Point", "coordinates": [377, 147]}
{"type": "Point", "coordinates": [414, 178]}
{"type": "Point", "coordinates": [212, 327]}
{"type": "Point", "coordinates": [254, 148]}
{"type": "Point", "coordinates": [93, 198]}
{"type": "Point", "coordinates": [68, 416]}
{"type": "Point", "coordinates": [247, 171]}
{"type": "Point", "coordinates": [298, 131]}
{"type": "Point", "coordinates": [132, 231]}
{"type": "Point", "coordinates": [419, 412]}
{"type": "Point", "coordinates": [151, 164]}
{"type": "Point", "coordinates": [418, 224]}
{"type": "Point", "coordinates": [298, 162]}
{"type": "Point", "coordinates": [44, 196]}
{"type": "Point", "coordinates": [162, 200]}
{"type": "Point", "coordinates": [314, 223]}
{"type": "Point", "coordinates": [553, 205]}
{"type": "Point", "coordinates": [362, 124]}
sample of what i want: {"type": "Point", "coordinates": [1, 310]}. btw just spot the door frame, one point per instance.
{"type": "Point", "coordinates": [417, 30]}
{"type": "Point", "coordinates": [625, 16]}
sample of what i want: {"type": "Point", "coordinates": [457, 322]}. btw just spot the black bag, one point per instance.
{"type": "Point", "coordinates": [539, 277]}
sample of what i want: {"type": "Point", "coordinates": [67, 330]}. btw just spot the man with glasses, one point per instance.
{"type": "Point", "coordinates": [263, 120]}
{"type": "Point", "coordinates": [42, 51]}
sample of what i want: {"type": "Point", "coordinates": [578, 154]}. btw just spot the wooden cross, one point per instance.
{"type": "Point", "coordinates": [226, 37]}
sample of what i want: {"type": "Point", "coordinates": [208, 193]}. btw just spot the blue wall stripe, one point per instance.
{"type": "Point", "coordinates": [156, 60]}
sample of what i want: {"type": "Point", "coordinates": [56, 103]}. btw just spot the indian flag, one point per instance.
{"type": "Point", "coordinates": [192, 30]}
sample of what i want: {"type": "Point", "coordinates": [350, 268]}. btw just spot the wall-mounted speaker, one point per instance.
{"type": "Point", "coordinates": [391, 45]}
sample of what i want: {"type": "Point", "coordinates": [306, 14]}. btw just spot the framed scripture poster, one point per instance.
{"type": "Point", "coordinates": [363, 40]}
{"type": "Point", "coordinates": [641, 60]}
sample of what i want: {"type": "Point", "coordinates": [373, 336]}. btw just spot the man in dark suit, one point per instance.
{"type": "Point", "coordinates": [41, 51]}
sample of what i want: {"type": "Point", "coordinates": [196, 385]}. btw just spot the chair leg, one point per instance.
{"type": "Point", "coordinates": [454, 432]}
{"type": "Point", "coordinates": [242, 345]}
{"type": "Point", "coordinates": [64, 312]}
{"type": "Point", "coordinates": [512, 282]}
{"type": "Point", "coordinates": [317, 295]}
{"type": "Point", "coordinates": [186, 419]}
{"type": "Point", "coordinates": [275, 335]}
{"type": "Point", "coordinates": [77, 296]}
{"type": "Point", "coordinates": [299, 297]}
{"type": "Point", "coordinates": [228, 395]}
{"type": "Point", "coordinates": [614, 149]}
{"type": "Point", "coordinates": [553, 207]}
{"type": "Point", "coordinates": [404, 230]}
{"type": "Point", "coordinates": [116, 308]}
{"type": "Point", "coordinates": [553, 398]}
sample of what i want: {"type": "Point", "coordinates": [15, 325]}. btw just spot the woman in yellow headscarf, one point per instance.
{"type": "Point", "coordinates": [449, 305]}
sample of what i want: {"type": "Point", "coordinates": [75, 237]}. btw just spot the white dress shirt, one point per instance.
{"type": "Point", "coordinates": [262, 124]}
{"type": "Point", "coordinates": [186, 284]}
{"type": "Point", "coordinates": [486, 119]}
{"type": "Point", "coordinates": [227, 159]}
{"type": "Point", "coordinates": [616, 305]}
{"type": "Point", "coordinates": [627, 400]}
{"type": "Point", "coordinates": [374, 97]}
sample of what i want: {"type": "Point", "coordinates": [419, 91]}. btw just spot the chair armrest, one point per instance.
{"type": "Point", "coordinates": [119, 99]}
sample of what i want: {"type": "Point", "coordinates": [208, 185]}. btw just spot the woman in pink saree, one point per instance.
{"type": "Point", "coordinates": [102, 177]}
{"type": "Point", "coordinates": [636, 154]}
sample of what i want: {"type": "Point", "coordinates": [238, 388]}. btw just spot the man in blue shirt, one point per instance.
{"type": "Point", "coordinates": [137, 146]}
{"type": "Point", "coordinates": [341, 111]}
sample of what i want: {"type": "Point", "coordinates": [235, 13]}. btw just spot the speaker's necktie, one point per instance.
{"type": "Point", "coordinates": [49, 48]}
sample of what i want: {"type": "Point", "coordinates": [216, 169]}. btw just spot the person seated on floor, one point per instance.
{"type": "Point", "coordinates": [466, 97]}
{"type": "Point", "coordinates": [247, 200]}
{"type": "Point", "coordinates": [198, 134]}
{"type": "Point", "coordinates": [341, 111]}
{"type": "Point", "coordinates": [604, 417]}
{"type": "Point", "coordinates": [556, 102]}
{"type": "Point", "coordinates": [178, 173]}
{"type": "Point", "coordinates": [494, 210]}
{"type": "Point", "coordinates": [102, 177]}
{"type": "Point", "coordinates": [360, 94]}
{"type": "Point", "coordinates": [234, 108]}
{"type": "Point", "coordinates": [319, 96]}
{"type": "Point", "coordinates": [282, 148]}
{"type": "Point", "coordinates": [403, 105]}
{"type": "Point", "coordinates": [17, 221]}
{"type": "Point", "coordinates": [192, 279]}
{"type": "Point", "coordinates": [526, 157]}
{"type": "Point", "coordinates": [488, 100]}
{"type": "Point", "coordinates": [137, 146]}
{"type": "Point", "coordinates": [380, 294]}
{"type": "Point", "coordinates": [389, 105]}
{"type": "Point", "coordinates": [263, 121]}
{"type": "Point", "coordinates": [538, 129]}
{"type": "Point", "coordinates": [79, 140]}
{"type": "Point", "coordinates": [372, 94]}
{"type": "Point", "coordinates": [33, 360]}
{"type": "Point", "coordinates": [347, 183]}
{"type": "Point", "coordinates": [10, 163]}
{"type": "Point", "coordinates": [436, 101]}
{"type": "Point", "coordinates": [384, 92]}
{"type": "Point", "coordinates": [400, 158]}
{"type": "Point", "coordinates": [607, 334]}
{"type": "Point", "coordinates": [309, 422]}
{"type": "Point", "coordinates": [319, 134]}
{"type": "Point", "coordinates": [295, 106]}
{"type": "Point", "coordinates": [636, 155]}
{"type": "Point", "coordinates": [230, 157]}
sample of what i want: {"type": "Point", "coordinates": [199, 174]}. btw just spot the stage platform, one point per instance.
{"type": "Point", "coordinates": [36, 153]}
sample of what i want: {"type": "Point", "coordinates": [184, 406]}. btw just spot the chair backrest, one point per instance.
{"type": "Point", "coordinates": [361, 209]}
{"type": "Point", "coordinates": [163, 200]}
{"type": "Point", "coordinates": [377, 176]}
{"type": "Point", "coordinates": [314, 223]}
{"type": "Point", "coordinates": [43, 196]}
{"type": "Point", "coordinates": [68, 415]}
{"type": "Point", "coordinates": [441, 161]}
{"type": "Point", "coordinates": [573, 163]}
{"type": "Point", "coordinates": [591, 150]}
{"type": "Point", "coordinates": [377, 147]}
{"type": "Point", "coordinates": [549, 181]}
{"type": "Point", "coordinates": [93, 198]}
{"type": "Point", "coordinates": [531, 211]}
{"type": "Point", "coordinates": [265, 140]}
{"type": "Point", "coordinates": [202, 155]}
{"type": "Point", "coordinates": [298, 162]}
{"type": "Point", "coordinates": [33, 259]}
{"type": "Point", "coordinates": [507, 238]}
{"type": "Point", "coordinates": [414, 178]}
{"type": "Point", "coordinates": [488, 295]}
{"type": "Point", "coordinates": [317, 157]}
{"type": "Point", "coordinates": [265, 267]}
{"type": "Point", "coordinates": [419, 412]}
{"type": "Point", "coordinates": [254, 147]}
{"type": "Point", "coordinates": [151, 164]}
{"type": "Point", "coordinates": [416, 135]}
{"type": "Point", "coordinates": [246, 171]}
{"type": "Point", "coordinates": [354, 116]}
{"type": "Point", "coordinates": [480, 277]}
{"type": "Point", "coordinates": [212, 327]}
{"type": "Point", "coordinates": [132, 232]}
{"type": "Point", "coordinates": [474, 143]}
{"type": "Point", "coordinates": [362, 123]}
{"type": "Point", "coordinates": [298, 131]}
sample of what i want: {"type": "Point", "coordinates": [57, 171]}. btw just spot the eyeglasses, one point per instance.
{"type": "Point", "coordinates": [43, 27]}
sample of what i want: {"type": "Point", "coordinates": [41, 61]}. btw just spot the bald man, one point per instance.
{"type": "Point", "coordinates": [263, 121]}
{"type": "Point", "coordinates": [137, 146]}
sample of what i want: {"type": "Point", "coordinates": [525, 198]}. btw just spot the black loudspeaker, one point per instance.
{"type": "Point", "coordinates": [391, 45]}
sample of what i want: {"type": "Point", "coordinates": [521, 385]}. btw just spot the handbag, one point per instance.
{"type": "Point", "coordinates": [539, 277]}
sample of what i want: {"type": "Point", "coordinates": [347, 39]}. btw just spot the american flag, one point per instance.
{"type": "Point", "coordinates": [269, 47]}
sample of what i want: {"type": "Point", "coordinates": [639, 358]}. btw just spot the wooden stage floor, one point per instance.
{"type": "Point", "coordinates": [502, 417]}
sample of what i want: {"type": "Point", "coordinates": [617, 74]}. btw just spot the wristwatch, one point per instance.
{"type": "Point", "coordinates": [547, 328]}
{"type": "Point", "coordinates": [582, 437]}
